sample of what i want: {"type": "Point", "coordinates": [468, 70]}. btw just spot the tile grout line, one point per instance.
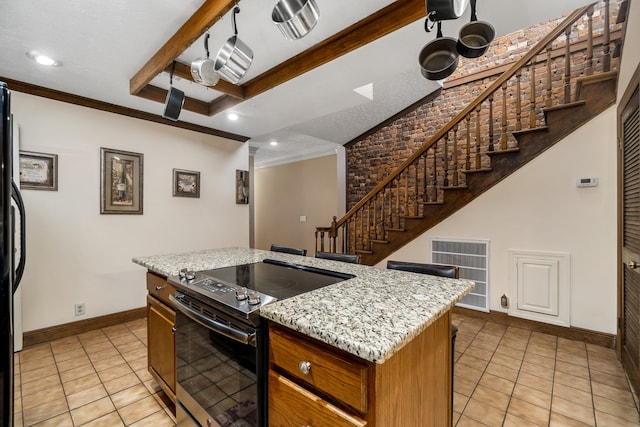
{"type": "Point", "coordinates": [593, 398]}
{"type": "Point", "coordinates": [524, 353]}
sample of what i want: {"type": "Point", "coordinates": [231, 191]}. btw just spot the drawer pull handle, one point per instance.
{"type": "Point", "coordinates": [305, 367]}
{"type": "Point", "coordinates": [159, 287]}
{"type": "Point", "coordinates": [173, 330]}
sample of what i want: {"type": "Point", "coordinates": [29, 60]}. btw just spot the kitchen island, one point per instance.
{"type": "Point", "coordinates": [377, 346]}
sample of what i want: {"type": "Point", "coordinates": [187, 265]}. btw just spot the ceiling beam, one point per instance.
{"type": "Point", "coordinates": [196, 25]}
{"type": "Point", "coordinates": [385, 21]}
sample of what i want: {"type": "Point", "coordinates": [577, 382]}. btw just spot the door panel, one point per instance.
{"type": "Point", "coordinates": [629, 237]}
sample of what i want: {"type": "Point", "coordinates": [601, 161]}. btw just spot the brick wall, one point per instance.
{"type": "Point", "coordinates": [372, 158]}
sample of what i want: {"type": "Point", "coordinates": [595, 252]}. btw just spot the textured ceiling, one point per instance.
{"type": "Point", "coordinates": [102, 44]}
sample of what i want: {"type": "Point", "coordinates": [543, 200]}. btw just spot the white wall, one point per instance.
{"type": "Point", "coordinates": [539, 208]}
{"type": "Point", "coordinates": [75, 254]}
{"type": "Point", "coordinates": [286, 192]}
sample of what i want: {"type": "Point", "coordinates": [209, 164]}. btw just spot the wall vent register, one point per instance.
{"type": "Point", "coordinates": [472, 257]}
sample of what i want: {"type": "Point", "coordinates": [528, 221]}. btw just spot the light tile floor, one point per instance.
{"type": "Point", "coordinates": [507, 376]}
{"type": "Point", "coordinates": [98, 378]}
{"type": "Point", "coordinates": [504, 376]}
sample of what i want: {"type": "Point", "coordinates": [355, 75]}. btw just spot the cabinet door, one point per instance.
{"type": "Point", "coordinates": [292, 405]}
{"type": "Point", "coordinates": [161, 321]}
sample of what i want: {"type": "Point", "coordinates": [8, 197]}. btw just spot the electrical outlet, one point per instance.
{"type": "Point", "coordinates": [79, 309]}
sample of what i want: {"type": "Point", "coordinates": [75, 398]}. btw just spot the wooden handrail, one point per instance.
{"type": "Point", "coordinates": [497, 84]}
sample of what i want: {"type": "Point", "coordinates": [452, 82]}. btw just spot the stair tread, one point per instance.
{"type": "Point", "coordinates": [412, 216]}
{"type": "Point", "coordinates": [476, 170]}
{"type": "Point", "coordinates": [364, 252]}
{"type": "Point", "coordinates": [457, 187]}
{"type": "Point", "coordinates": [508, 150]}
{"type": "Point", "coordinates": [531, 130]}
{"type": "Point", "coordinates": [431, 203]}
{"type": "Point", "coordinates": [401, 230]}
{"type": "Point", "coordinates": [379, 241]}
{"type": "Point", "coordinates": [563, 106]}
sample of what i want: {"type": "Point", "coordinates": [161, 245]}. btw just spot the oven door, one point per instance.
{"type": "Point", "coordinates": [221, 367]}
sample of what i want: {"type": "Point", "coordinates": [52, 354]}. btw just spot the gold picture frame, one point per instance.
{"type": "Point", "coordinates": [186, 183]}
{"type": "Point", "coordinates": [38, 171]}
{"type": "Point", "coordinates": [121, 175]}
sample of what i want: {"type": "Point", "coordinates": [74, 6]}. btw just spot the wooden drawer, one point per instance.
{"type": "Point", "coordinates": [339, 377]}
{"type": "Point", "coordinates": [160, 288]}
{"type": "Point", "coordinates": [295, 406]}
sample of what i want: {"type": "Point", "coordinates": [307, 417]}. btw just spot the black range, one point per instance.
{"type": "Point", "coordinates": [221, 341]}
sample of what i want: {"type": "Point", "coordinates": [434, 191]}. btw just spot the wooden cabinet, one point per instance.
{"type": "Point", "coordinates": [314, 384]}
{"type": "Point", "coordinates": [161, 343]}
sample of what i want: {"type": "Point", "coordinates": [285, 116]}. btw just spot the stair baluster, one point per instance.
{"type": "Point", "coordinates": [445, 162]}
{"type": "Point", "coordinates": [549, 83]}
{"type": "Point", "coordinates": [606, 54]}
{"type": "Point", "coordinates": [567, 67]}
{"type": "Point", "coordinates": [589, 70]}
{"type": "Point", "coordinates": [455, 156]}
{"type": "Point", "coordinates": [532, 95]}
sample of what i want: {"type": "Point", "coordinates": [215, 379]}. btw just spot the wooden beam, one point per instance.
{"type": "Point", "coordinates": [385, 21]}
{"type": "Point", "coordinates": [184, 72]}
{"type": "Point", "coordinates": [196, 25]}
{"type": "Point", "coordinates": [82, 101]}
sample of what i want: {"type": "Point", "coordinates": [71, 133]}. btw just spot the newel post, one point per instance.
{"type": "Point", "coordinates": [333, 234]}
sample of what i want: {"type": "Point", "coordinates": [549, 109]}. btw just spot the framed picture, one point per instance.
{"type": "Point", "coordinates": [38, 171]}
{"type": "Point", "coordinates": [242, 187]}
{"type": "Point", "coordinates": [186, 183]}
{"type": "Point", "coordinates": [120, 182]}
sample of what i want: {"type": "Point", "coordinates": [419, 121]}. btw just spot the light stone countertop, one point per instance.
{"type": "Point", "coordinates": [371, 316]}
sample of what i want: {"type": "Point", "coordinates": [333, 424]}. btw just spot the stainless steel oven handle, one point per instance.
{"type": "Point", "coordinates": [216, 326]}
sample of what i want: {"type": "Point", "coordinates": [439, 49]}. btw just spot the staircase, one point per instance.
{"type": "Point", "coordinates": [508, 125]}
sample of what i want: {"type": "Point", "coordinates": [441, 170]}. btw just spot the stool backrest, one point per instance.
{"type": "Point", "coordinates": [441, 270]}
{"type": "Point", "coordinates": [353, 259]}
{"type": "Point", "coordinates": [288, 250]}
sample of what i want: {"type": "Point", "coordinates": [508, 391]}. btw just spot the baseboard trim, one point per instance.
{"type": "Point", "coordinates": [571, 333]}
{"type": "Point", "coordinates": [73, 328]}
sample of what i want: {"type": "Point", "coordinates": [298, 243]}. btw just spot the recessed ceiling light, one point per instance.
{"type": "Point", "coordinates": [274, 143]}
{"type": "Point", "coordinates": [43, 59]}
{"type": "Point", "coordinates": [232, 116]}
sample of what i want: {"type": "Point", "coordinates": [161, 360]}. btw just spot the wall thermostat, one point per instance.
{"type": "Point", "coordinates": [587, 182]}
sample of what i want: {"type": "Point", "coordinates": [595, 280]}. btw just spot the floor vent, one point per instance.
{"type": "Point", "coordinates": [472, 256]}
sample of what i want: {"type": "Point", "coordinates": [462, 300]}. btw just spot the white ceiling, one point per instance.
{"type": "Point", "coordinates": [102, 44]}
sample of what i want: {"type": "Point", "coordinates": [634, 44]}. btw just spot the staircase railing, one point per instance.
{"type": "Point", "coordinates": [513, 102]}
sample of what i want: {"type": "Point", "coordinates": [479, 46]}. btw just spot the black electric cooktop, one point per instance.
{"type": "Point", "coordinates": [243, 289]}
{"type": "Point", "coordinates": [277, 279]}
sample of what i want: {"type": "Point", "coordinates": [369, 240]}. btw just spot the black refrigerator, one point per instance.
{"type": "Point", "coordinates": [11, 273]}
